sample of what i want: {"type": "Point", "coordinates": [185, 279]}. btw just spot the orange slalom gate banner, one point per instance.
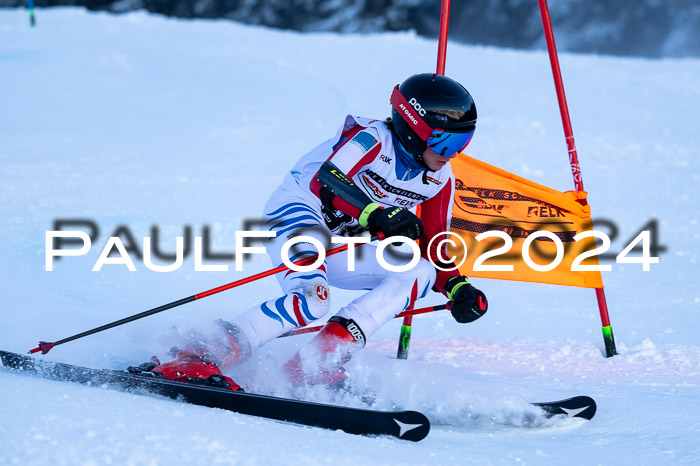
{"type": "Point", "coordinates": [488, 199]}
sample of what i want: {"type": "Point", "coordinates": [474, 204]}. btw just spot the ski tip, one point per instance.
{"type": "Point", "coordinates": [582, 407]}
{"type": "Point", "coordinates": [411, 425]}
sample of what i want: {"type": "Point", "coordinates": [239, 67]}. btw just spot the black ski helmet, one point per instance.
{"type": "Point", "coordinates": [435, 100]}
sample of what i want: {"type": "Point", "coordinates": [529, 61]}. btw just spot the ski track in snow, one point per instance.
{"type": "Point", "coordinates": [139, 120]}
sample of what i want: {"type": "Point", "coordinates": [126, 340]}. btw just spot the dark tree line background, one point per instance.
{"type": "Point", "coordinates": [651, 28]}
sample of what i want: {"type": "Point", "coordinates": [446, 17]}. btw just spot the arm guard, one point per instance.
{"type": "Point", "coordinates": [337, 191]}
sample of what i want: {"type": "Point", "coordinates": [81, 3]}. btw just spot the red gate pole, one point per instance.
{"type": "Point", "coordinates": [442, 37]}
{"type": "Point", "coordinates": [405, 335]}
{"type": "Point", "coordinates": [608, 336]}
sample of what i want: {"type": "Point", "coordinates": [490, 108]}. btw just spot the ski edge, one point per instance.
{"type": "Point", "coordinates": [404, 425]}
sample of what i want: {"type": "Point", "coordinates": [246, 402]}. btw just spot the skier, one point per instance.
{"type": "Point", "coordinates": [381, 169]}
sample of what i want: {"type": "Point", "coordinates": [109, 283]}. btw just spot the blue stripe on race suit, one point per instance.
{"type": "Point", "coordinates": [305, 308]}
{"type": "Point", "coordinates": [299, 255]}
{"type": "Point", "coordinates": [425, 291]}
{"type": "Point", "coordinates": [286, 206]}
{"type": "Point", "coordinates": [279, 304]}
{"type": "Point", "coordinates": [309, 277]}
{"type": "Point", "coordinates": [266, 310]}
{"type": "Point", "coordinates": [408, 300]}
{"type": "Point", "coordinates": [298, 225]}
{"type": "Point", "coordinates": [290, 221]}
{"type": "Point", "coordinates": [294, 210]}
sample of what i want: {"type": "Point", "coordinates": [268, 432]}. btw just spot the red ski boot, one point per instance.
{"type": "Point", "coordinates": [189, 366]}
{"type": "Point", "coordinates": [321, 360]}
{"type": "Point", "coordinates": [200, 360]}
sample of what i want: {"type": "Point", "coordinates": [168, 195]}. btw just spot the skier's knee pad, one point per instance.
{"type": "Point", "coordinates": [313, 301]}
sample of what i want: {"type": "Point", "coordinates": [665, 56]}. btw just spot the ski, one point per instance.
{"type": "Point", "coordinates": [582, 407]}
{"type": "Point", "coordinates": [405, 425]}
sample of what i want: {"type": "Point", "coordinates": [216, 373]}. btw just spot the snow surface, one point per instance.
{"type": "Point", "coordinates": [139, 120]}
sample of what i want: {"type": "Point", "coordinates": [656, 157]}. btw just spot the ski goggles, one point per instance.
{"type": "Point", "coordinates": [446, 143]}
{"type": "Point", "coordinates": [443, 142]}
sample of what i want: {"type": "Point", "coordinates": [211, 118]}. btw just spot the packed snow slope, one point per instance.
{"type": "Point", "coordinates": [138, 120]}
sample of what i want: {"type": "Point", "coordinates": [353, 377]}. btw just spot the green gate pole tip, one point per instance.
{"type": "Point", "coordinates": [609, 340]}
{"type": "Point", "coordinates": [404, 341]}
{"type": "Point", "coordinates": [30, 7]}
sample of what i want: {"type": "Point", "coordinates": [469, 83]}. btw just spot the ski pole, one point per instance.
{"type": "Point", "coordinates": [411, 313]}
{"type": "Point", "coordinates": [45, 346]}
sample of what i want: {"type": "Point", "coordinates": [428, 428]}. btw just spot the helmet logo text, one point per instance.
{"type": "Point", "coordinates": [419, 108]}
{"type": "Point", "coordinates": [408, 114]}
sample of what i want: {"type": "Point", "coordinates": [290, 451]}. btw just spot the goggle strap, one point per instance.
{"type": "Point", "coordinates": [410, 115]}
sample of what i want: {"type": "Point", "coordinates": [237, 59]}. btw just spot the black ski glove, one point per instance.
{"type": "Point", "coordinates": [468, 303]}
{"type": "Point", "coordinates": [394, 221]}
